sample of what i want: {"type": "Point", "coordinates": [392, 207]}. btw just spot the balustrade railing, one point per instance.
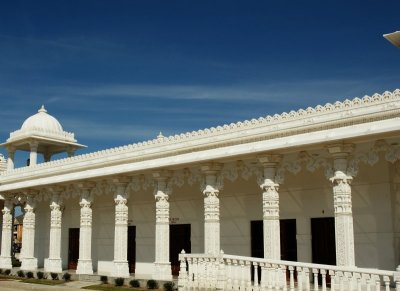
{"type": "Point", "coordinates": [227, 272]}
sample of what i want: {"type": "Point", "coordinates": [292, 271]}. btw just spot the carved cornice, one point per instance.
{"type": "Point", "coordinates": [339, 114]}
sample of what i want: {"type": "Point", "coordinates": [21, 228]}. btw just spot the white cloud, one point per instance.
{"type": "Point", "coordinates": [280, 92]}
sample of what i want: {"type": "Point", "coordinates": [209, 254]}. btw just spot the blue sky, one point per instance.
{"type": "Point", "coordinates": [117, 72]}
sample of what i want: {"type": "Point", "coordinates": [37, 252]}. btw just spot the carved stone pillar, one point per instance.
{"type": "Point", "coordinates": [70, 152]}
{"type": "Point", "coordinates": [162, 265]}
{"type": "Point", "coordinates": [85, 265]}
{"type": "Point", "coordinates": [6, 237]}
{"type": "Point", "coordinates": [272, 241]}
{"type": "Point", "coordinates": [211, 189]}
{"type": "Point", "coordinates": [121, 267]}
{"type": "Point", "coordinates": [10, 159]}
{"type": "Point", "coordinates": [47, 157]}
{"type": "Point", "coordinates": [54, 263]}
{"type": "Point", "coordinates": [33, 154]}
{"type": "Point", "coordinates": [28, 261]}
{"type": "Point", "coordinates": [344, 232]}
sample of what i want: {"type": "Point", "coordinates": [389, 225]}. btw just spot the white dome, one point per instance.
{"type": "Point", "coordinates": [43, 122]}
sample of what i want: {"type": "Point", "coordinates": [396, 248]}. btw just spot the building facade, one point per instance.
{"type": "Point", "coordinates": [317, 185]}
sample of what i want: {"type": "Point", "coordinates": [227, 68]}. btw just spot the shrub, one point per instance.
{"type": "Point", "coordinates": [134, 283]}
{"type": "Point", "coordinates": [119, 281]}
{"type": "Point", "coordinates": [54, 276]}
{"type": "Point", "coordinates": [169, 286]}
{"type": "Point", "coordinates": [29, 275]}
{"type": "Point", "coordinates": [104, 279]}
{"type": "Point", "coordinates": [1, 271]}
{"type": "Point", "coordinates": [40, 275]}
{"type": "Point", "coordinates": [21, 274]}
{"type": "Point", "coordinates": [66, 277]}
{"type": "Point", "coordinates": [7, 272]}
{"type": "Point", "coordinates": [15, 262]}
{"type": "Point", "coordinates": [152, 284]}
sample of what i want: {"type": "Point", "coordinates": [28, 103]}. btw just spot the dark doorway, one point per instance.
{"type": "Point", "coordinates": [257, 238]}
{"type": "Point", "coordinates": [131, 248]}
{"type": "Point", "coordinates": [179, 239]}
{"type": "Point", "coordinates": [287, 234]}
{"type": "Point", "coordinates": [323, 240]}
{"type": "Point", "coordinates": [288, 241]}
{"type": "Point", "coordinates": [73, 248]}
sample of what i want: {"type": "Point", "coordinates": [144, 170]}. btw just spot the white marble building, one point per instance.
{"type": "Point", "coordinates": [318, 185]}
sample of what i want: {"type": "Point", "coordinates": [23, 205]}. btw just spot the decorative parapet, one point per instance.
{"type": "Point", "coordinates": [356, 111]}
{"type": "Point", "coordinates": [21, 133]}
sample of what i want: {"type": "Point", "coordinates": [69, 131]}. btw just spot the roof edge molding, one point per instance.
{"type": "Point", "coordinates": [357, 111]}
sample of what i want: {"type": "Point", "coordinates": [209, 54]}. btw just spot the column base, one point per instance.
{"type": "Point", "coordinates": [5, 262]}
{"type": "Point", "coordinates": [29, 264]}
{"type": "Point", "coordinates": [121, 269]}
{"type": "Point", "coordinates": [162, 271]}
{"type": "Point", "coordinates": [84, 267]}
{"type": "Point", "coordinates": [53, 265]}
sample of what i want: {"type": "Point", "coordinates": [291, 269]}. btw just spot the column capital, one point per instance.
{"type": "Point", "coordinates": [70, 151]}
{"type": "Point", "coordinates": [211, 168]}
{"type": "Point", "coordinates": [29, 197]}
{"type": "Point", "coordinates": [56, 189]}
{"type": "Point", "coordinates": [85, 191]}
{"type": "Point", "coordinates": [212, 181]}
{"type": "Point", "coordinates": [162, 175]}
{"type": "Point", "coordinates": [340, 153]}
{"type": "Point", "coordinates": [162, 187]}
{"type": "Point", "coordinates": [87, 185]}
{"type": "Point", "coordinates": [340, 150]}
{"type": "Point", "coordinates": [11, 149]}
{"type": "Point", "coordinates": [120, 180]}
{"type": "Point", "coordinates": [47, 156]}
{"type": "Point", "coordinates": [34, 145]}
{"type": "Point", "coordinates": [269, 160]}
{"type": "Point", "coordinates": [6, 196]}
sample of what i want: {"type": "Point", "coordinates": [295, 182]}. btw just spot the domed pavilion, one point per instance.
{"type": "Point", "coordinates": [40, 133]}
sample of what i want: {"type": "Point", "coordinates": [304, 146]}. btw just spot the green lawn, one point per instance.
{"type": "Point", "coordinates": [43, 281]}
{"type": "Point", "coordinates": [109, 287]}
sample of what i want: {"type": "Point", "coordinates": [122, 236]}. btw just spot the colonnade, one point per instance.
{"type": "Point", "coordinates": [210, 187]}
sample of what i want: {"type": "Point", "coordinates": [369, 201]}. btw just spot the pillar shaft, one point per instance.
{"type": "Point", "coordinates": [47, 157]}
{"type": "Point", "coordinates": [33, 153]}
{"type": "Point", "coordinates": [270, 196]}
{"type": "Point", "coordinates": [29, 262]}
{"type": "Point", "coordinates": [121, 268]}
{"type": "Point", "coordinates": [54, 263]}
{"type": "Point", "coordinates": [10, 159]}
{"type": "Point", "coordinates": [85, 265]}
{"type": "Point", "coordinates": [162, 264]}
{"type": "Point", "coordinates": [211, 189]}
{"type": "Point", "coordinates": [5, 258]}
{"type": "Point", "coordinates": [70, 152]}
{"type": "Point", "coordinates": [344, 231]}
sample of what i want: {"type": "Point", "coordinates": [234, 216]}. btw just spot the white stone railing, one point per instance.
{"type": "Point", "coordinates": [227, 272]}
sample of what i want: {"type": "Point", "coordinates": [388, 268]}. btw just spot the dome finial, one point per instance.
{"type": "Point", "coordinates": [42, 109]}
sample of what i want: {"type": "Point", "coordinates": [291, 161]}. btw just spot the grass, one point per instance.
{"type": "Point", "coordinates": [5, 277]}
{"type": "Point", "coordinates": [42, 281]}
{"type": "Point", "coordinates": [110, 287]}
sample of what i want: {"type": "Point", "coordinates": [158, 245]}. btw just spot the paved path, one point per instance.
{"type": "Point", "coordinates": [12, 285]}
